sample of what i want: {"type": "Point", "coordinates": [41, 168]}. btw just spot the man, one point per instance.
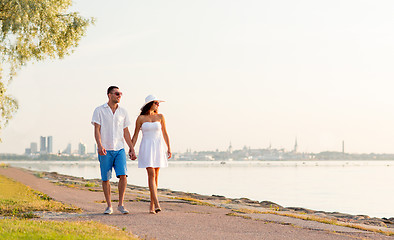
{"type": "Point", "coordinates": [110, 128]}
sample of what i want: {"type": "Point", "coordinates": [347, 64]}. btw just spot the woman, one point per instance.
{"type": "Point", "coordinates": [152, 154]}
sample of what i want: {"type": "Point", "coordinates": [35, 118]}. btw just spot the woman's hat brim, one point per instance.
{"type": "Point", "coordinates": [157, 100]}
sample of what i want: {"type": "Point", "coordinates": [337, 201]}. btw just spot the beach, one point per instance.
{"type": "Point", "coordinates": [194, 216]}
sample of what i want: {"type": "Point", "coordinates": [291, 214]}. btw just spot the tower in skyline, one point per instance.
{"type": "Point", "coordinates": [295, 146]}
{"type": "Point", "coordinates": [43, 145]}
{"type": "Point", "coordinates": [27, 151]}
{"type": "Point", "coordinates": [49, 144]}
{"type": "Point", "coordinates": [230, 148]}
{"type": "Point", "coordinates": [81, 148]}
{"type": "Point", "coordinates": [95, 148]}
{"type": "Point", "coordinates": [68, 149]}
{"type": "Point", "coordinates": [33, 147]}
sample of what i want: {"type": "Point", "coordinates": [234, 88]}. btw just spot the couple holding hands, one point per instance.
{"type": "Point", "coordinates": [111, 124]}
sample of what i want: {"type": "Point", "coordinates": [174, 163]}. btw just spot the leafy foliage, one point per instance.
{"type": "Point", "coordinates": [8, 106]}
{"type": "Point", "coordinates": [34, 30]}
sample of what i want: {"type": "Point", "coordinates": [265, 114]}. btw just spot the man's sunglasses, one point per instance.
{"type": "Point", "coordinates": [118, 93]}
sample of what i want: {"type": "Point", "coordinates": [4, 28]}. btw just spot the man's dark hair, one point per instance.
{"type": "Point", "coordinates": [111, 88]}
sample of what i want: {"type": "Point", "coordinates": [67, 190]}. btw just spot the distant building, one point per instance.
{"type": "Point", "coordinates": [43, 145]}
{"type": "Point", "coordinates": [33, 147]}
{"type": "Point", "coordinates": [27, 151]}
{"type": "Point", "coordinates": [68, 149]}
{"type": "Point", "coordinates": [230, 149]}
{"type": "Point", "coordinates": [295, 146]}
{"type": "Point", "coordinates": [49, 144]}
{"type": "Point", "coordinates": [81, 148]}
{"type": "Point", "coordinates": [95, 149]}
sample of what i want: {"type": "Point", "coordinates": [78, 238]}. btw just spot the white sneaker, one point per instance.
{"type": "Point", "coordinates": [122, 210]}
{"type": "Point", "coordinates": [108, 210]}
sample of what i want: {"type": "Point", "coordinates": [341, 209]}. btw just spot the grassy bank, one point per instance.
{"type": "Point", "coordinates": [33, 229]}
{"type": "Point", "coordinates": [17, 204]}
{"type": "Point", "coordinates": [19, 200]}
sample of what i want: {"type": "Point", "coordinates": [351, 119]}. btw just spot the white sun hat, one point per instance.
{"type": "Point", "coordinates": [150, 98]}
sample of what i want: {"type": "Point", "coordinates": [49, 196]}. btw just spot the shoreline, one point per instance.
{"type": "Point", "coordinates": [304, 185]}
{"type": "Point", "coordinates": [225, 161]}
{"type": "Point", "coordinates": [238, 205]}
{"type": "Point", "coordinates": [322, 156]}
{"type": "Point", "coordinates": [189, 214]}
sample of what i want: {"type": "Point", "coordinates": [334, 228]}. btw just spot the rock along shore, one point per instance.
{"type": "Point", "coordinates": [195, 216]}
{"type": "Point", "coordinates": [241, 205]}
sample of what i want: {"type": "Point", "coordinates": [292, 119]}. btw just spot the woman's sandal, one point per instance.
{"type": "Point", "coordinates": [157, 210]}
{"type": "Point", "coordinates": [152, 212]}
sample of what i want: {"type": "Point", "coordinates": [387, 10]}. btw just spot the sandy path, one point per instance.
{"type": "Point", "coordinates": [180, 220]}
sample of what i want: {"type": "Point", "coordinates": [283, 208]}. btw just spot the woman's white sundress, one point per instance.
{"type": "Point", "coordinates": [153, 150]}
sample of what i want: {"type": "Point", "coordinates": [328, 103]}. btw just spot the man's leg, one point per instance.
{"type": "Point", "coordinates": [107, 192]}
{"type": "Point", "coordinates": [106, 162]}
{"type": "Point", "coordinates": [122, 188]}
{"type": "Point", "coordinates": [121, 172]}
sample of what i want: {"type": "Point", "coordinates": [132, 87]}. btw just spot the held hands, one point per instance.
{"type": "Point", "coordinates": [132, 154]}
{"type": "Point", "coordinates": [101, 150]}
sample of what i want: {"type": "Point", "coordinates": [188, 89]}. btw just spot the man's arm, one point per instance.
{"type": "Point", "coordinates": [127, 137]}
{"type": "Point", "coordinates": [97, 135]}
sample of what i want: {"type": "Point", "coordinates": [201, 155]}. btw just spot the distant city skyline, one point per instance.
{"type": "Point", "coordinates": [227, 155]}
{"type": "Point", "coordinates": [251, 72]}
{"type": "Point", "coordinates": [82, 148]}
{"type": "Point", "coordinates": [46, 147]}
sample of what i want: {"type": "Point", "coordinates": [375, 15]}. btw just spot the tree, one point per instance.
{"type": "Point", "coordinates": [34, 30]}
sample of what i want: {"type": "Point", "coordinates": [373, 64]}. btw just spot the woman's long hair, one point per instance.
{"type": "Point", "coordinates": [146, 108]}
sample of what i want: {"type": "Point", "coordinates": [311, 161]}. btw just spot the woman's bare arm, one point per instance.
{"type": "Point", "coordinates": [138, 124]}
{"type": "Point", "coordinates": [165, 135]}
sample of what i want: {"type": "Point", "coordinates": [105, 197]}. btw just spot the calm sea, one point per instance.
{"type": "Point", "coordinates": [355, 187]}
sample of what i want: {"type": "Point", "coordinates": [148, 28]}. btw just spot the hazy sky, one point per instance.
{"type": "Point", "coordinates": [250, 72]}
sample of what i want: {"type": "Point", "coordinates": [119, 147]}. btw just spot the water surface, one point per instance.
{"type": "Point", "coordinates": [355, 187]}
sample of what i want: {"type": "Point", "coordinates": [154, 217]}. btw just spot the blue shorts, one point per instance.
{"type": "Point", "coordinates": [113, 159]}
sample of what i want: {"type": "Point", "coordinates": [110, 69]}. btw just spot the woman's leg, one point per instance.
{"type": "Point", "coordinates": [157, 177]}
{"type": "Point", "coordinates": [152, 188]}
{"type": "Point", "coordinates": [156, 181]}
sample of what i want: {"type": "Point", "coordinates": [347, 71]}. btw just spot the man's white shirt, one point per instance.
{"type": "Point", "coordinates": [112, 125]}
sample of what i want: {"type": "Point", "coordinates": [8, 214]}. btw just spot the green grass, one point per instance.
{"type": "Point", "coordinates": [194, 201]}
{"type": "Point", "coordinates": [314, 218]}
{"type": "Point", "coordinates": [19, 200]}
{"type": "Point", "coordinates": [238, 215]}
{"type": "Point", "coordinates": [32, 229]}
{"type": "Point", "coordinates": [91, 184]}
{"type": "Point", "coordinates": [3, 165]}
{"type": "Point", "coordinates": [39, 174]}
